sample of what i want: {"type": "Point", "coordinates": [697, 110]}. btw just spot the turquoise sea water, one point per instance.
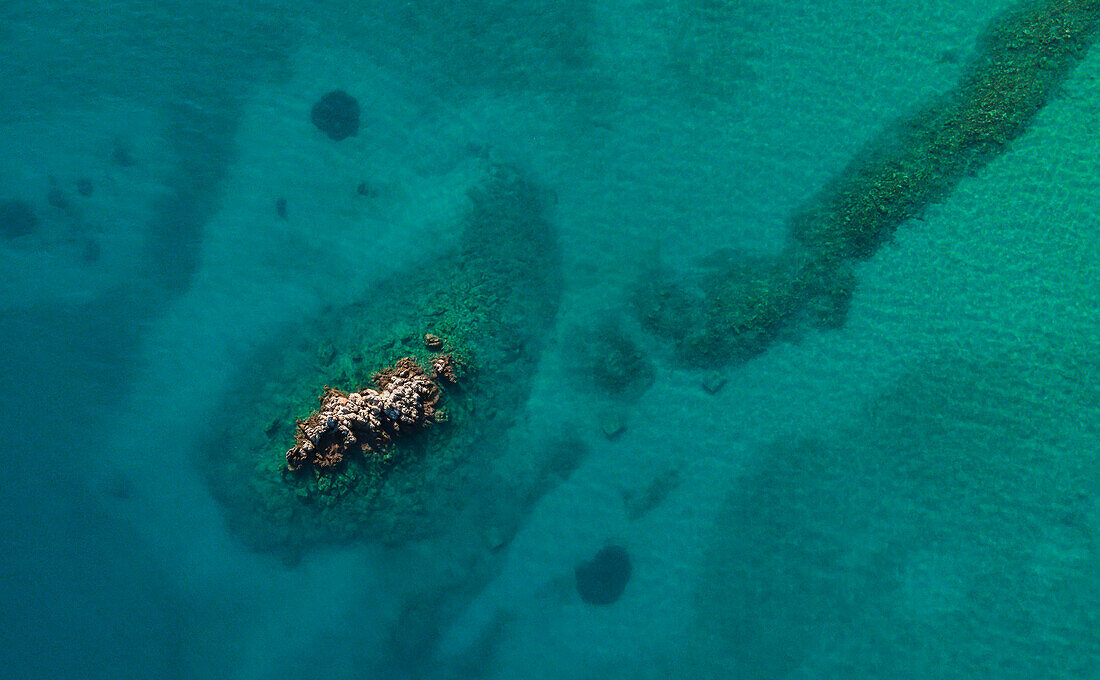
{"type": "Point", "coordinates": [914, 493]}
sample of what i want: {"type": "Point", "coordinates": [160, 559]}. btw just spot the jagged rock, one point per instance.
{"type": "Point", "coordinates": [367, 420]}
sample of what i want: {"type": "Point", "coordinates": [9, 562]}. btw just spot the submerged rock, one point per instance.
{"type": "Point", "coordinates": [17, 218]}
{"type": "Point", "coordinates": [57, 199]}
{"type": "Point", "coordinates": [603, 579]}
{"type": "Point", "coordinates": [337, 115]}
{"type": "Point", "coordinates": [615, 363]}
{"type": "Point", "coordinates": [91, 251]}
{"type": "Point", "coordinates": [121, 156]}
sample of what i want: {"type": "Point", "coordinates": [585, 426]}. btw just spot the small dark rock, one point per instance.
{"type": "Point", "coordinates": [615, 363]}
{"type": "Point", "coordinates": [612, 424]}
{"type": "Point", "coordinates": [273, 427]}
{"type": "Point", "coordinates": [367, 190]}
{"type": "Point", "coordinates": [121, 156]}
{"type": "Point", "coordinates": [84, 186]}
{"type": "Point", "coordinates": [17, 218]}
{"type": "Point", "coordinates": [713, 382]}
{"type": "Point", "coordinates": [57, 198]}
{"type": "Point", "coordinates": [638, 503]}
{"type": "Point", "coordinates": [91, 251]}
{"type": "Point", "coordinates": [603, 579]}
{"type": "Point", "coordinates": [477, 149]}
{"type": "Point", "coordinates": [563, 454]}
{"type": "Point", "coordinates": [280, 207]}
{"type": "Point", "coordinates": [496, 538]}
{"type": "Point", "coordinates": [337, 115]}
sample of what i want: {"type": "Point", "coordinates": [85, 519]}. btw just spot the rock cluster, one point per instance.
{"type": "Point", "coordinates": [367, 420]}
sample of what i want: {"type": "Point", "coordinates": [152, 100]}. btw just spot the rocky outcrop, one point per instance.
{"type": "Point", "coordinates": [367, 420]}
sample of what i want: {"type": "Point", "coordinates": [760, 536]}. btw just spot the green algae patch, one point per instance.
{"type": "Point", "coordinates": [744, 303]}
{"type": "Point", "coordinates": [490, 302]}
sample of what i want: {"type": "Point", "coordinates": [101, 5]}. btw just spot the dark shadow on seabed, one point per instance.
{"type": "Point", "coordinates": [84, 598]}
{"type": "Point", "coordinates": [949, 532]}
{"type": "Point", "coordinates": [85, 582]}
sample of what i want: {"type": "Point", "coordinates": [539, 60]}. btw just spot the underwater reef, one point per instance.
{"type": "Point", "coordinates": [476, 316]}
{"type": "Point", "coordinates": [744, 303]}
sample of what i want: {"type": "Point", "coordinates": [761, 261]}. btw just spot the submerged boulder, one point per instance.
{"type": "Point", "coordinates": [603, 579]}
{"type": "Point", "coordinates": [337, 115]}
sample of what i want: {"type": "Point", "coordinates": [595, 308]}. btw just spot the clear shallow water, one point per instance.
{"type": "Point", "coordinates": [912, 488]}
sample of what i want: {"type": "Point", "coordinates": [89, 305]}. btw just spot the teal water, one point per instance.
{"type": "Point", "coordinates": [912, 493]}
